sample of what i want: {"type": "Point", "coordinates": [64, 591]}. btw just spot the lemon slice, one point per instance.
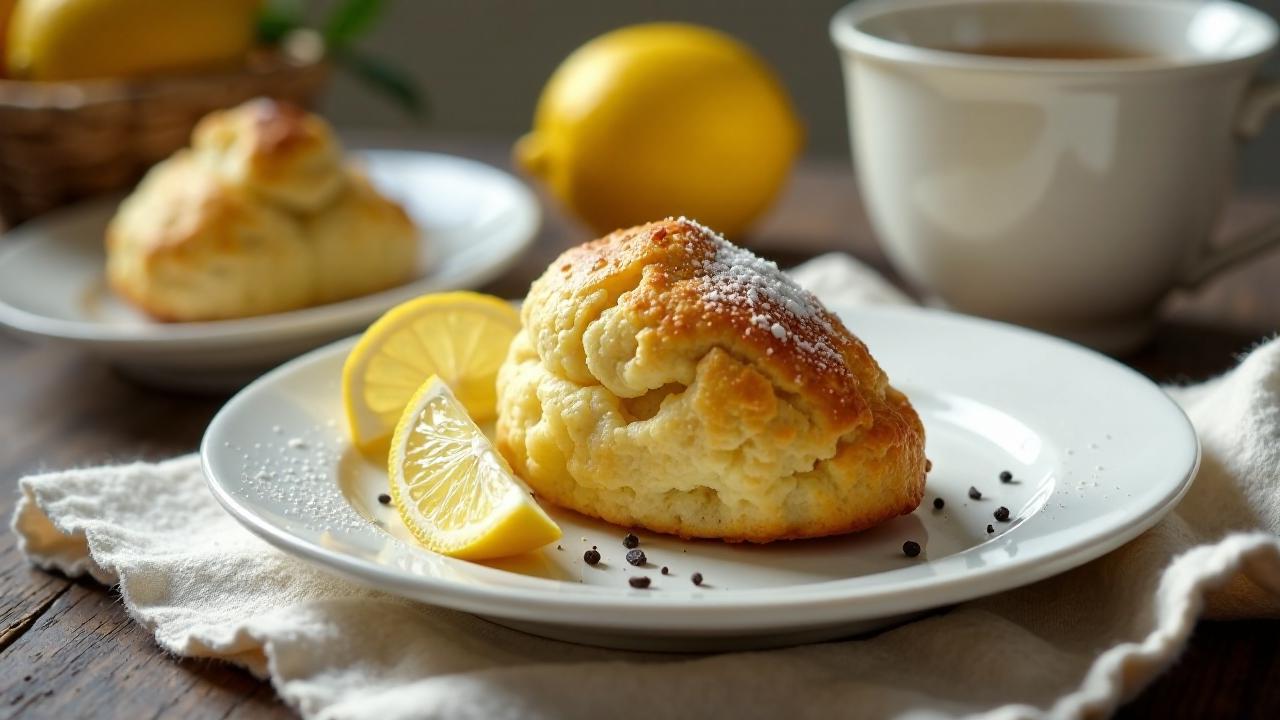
{"type": "Point", "coordinates": [462, 337]}
{"type": "Point", "coordinates": [452, 488]}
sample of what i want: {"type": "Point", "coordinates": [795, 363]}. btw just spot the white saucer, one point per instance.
{"type": "Point", "coordinates": [476, 222]}
{"type": "Point", "coordinates": [1098, 454]}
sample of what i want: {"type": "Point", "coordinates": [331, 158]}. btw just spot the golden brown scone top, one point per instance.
{"type": "Point", "coordinates": [275, 149]}
{"type": "Point", "coordinates": [681, 290]}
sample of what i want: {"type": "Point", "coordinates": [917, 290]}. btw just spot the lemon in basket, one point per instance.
{"type": "Point", "coordinates": [6, 12]}
{"type": "Point", "coordinates": [81, 39]}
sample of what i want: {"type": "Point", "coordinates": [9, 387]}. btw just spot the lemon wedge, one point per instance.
{"type": "Point", "coordinates": [462, 337]}
{"type": "Point", "coordinates": [455, 493]}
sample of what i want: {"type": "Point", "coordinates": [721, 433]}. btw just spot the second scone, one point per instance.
{"type": "Point", "coordinates": [261, 215]}
{"type": "Point", "coordinates": [668, 379]}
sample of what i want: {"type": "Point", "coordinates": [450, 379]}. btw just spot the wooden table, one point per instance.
{"type": "Point", "coordinates": [67, 648]}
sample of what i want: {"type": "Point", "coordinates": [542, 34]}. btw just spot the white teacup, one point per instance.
{"type": "Point", "coordinates": [1066, 194]}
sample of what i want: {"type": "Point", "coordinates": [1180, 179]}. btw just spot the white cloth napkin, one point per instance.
{"type": "Point", "coordinates": [1072, 646]}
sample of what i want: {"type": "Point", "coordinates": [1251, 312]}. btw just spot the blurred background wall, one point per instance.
{"type": "Point", "coordinates": [483, 62]}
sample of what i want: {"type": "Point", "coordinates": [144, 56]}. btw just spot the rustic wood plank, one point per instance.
{"type": "Point", "coordinates": [1230, 670]}
{"type": "Point", "coordinates": [87, 656]}
{"type": "Point", "coordinates": [263, 703]}
{"type": "Point", "coordinates": [72, 410]}
{"type": "Point", "coordinates": [25, 595]}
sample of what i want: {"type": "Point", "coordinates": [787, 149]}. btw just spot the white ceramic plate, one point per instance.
{"type": "Point", "coordinates": [476, 221]}
{"type": "Point", "coordinates": [1098, 454]}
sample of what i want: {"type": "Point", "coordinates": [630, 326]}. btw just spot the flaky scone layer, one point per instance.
{"type": "Point", "coordinates": [668, 379]}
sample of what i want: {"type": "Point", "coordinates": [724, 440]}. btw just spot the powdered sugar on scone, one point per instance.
{"type": "Point", "coordinates": [737, 277]}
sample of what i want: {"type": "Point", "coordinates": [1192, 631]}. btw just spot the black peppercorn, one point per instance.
{"type": "Point", "coordinates": [1002, 514]}
{"type": "Point", "coordinates": [636, 557]}
{"type": "Point", "coordinates": [639, 582]}
{"type": "Point", "coordinates": [911, 548]}
{"type": "Point", "coordinates": [630, 541]}
{"type": "Point", "coordinates": [938, 503]}
{"type": "Point", "coordinates": [696, 578]}
{"type": "Point", "coordinates": [1006, 476]}
{"type": "Point", "coordinates": [591, 557]}
{"type": "Point", "coordinates": [384, 498]}
{"type": "Point", "coordinates": [974, 493]}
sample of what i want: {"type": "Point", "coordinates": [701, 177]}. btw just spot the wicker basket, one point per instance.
{"type": "Point", "coordinates": [63, 141]}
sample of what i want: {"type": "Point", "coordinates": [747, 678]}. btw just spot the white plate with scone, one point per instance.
{"type": "Point", "coordinates": [766, 420]}
{"type": "Point", "coordinates": [261, 241]}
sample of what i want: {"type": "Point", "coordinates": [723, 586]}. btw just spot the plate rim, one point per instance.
{"type": "Point", "coordinates": [283, 326]}
{"type": "Point", "coordinates": [810, 606]}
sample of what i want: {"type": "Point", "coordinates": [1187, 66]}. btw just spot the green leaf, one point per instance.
{"type": "Point", "coordinates": [350, 20]}
{"type": "Point", "coordinates": [278, 18]}
{"type": "Point", "coordinates": [391, 81]}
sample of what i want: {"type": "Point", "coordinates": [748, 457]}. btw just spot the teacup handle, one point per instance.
{"type": "Point", "coordinates": [1261, 100]}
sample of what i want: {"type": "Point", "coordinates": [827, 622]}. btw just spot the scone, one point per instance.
{"type": "Point", "coordinates": [670, 380]}
{"type": "Point", "coordinates": [187, 246]}
{"type": "Point", "coordinates": [260, 215]}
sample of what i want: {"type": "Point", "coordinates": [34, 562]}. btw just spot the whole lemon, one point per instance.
{"type": "Point", "coordinates": [663, 119]}
{"type": "Point", "coordinates": [80, 39]}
